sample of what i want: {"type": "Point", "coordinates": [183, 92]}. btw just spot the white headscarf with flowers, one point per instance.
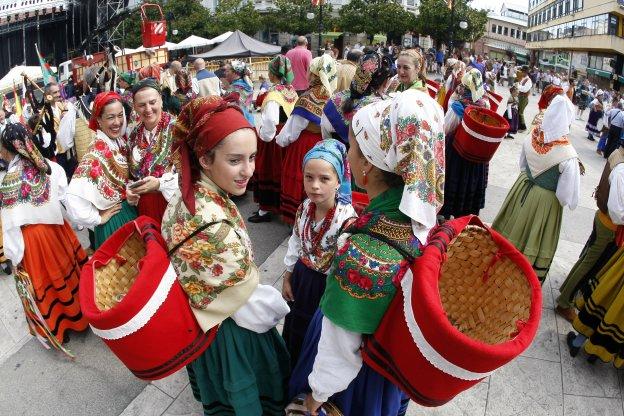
{"type": "Point", "coordinates": [243, 70]}
{"type": "Point", "coordinates": [405, 135]}
{"type": "Point", "coordinates": [325, 68]}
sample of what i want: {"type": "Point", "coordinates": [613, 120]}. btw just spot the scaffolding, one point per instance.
{"type": "Point", "coordinates": [109, 22]}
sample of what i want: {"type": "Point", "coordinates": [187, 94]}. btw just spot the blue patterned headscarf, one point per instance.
{"type": "Point", "coordinates": [335, 153]}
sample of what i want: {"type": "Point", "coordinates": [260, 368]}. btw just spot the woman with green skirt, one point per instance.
{"type": "Point", "coordinates": [550, 179]}
{"type": "Point", "coordinates": [96, 196]}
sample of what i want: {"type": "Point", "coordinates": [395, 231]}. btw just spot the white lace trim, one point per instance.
{"type": "Point", "coordinates": [481, 136]}
{"type": "Point", "coordinates": [426, 349]}
{"type": "Point", "coordinates": [145, 314]}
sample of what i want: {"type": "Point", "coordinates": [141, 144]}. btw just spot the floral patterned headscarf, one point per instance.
{"type": "Point", "coordinates": [371, 66]}
{"type": "Point", "coordinates": [405, 135]}
{"type": "Point", "coordinates": [17, 138]}
{"type": "Point", "coordinates": [280, 67]}
{"type": "Point", "coordinates": [474, 82]}
{"type": "Point", "coordinates": [242, 70]}
{"type": "Point", "coordinates": [324, 67]}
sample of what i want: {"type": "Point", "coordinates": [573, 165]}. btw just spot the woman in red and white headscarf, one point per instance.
{"type": "Point", "coordinates": [96, 196]}
{"type": "Point", "coordinates": [245, 369]}
{"type": "Point", "coordinates": [46, 255]}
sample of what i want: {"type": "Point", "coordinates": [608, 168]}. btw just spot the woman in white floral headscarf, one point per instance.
{"type": "Point", "coordinates": [397, 156]}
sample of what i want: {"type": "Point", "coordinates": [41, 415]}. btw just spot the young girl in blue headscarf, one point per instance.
{"type": "Point", "coordinates": [311, 248]}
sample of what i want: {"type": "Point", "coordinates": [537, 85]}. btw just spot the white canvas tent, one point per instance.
{"type": "Point", "coordinates": [221, 37]}
{"type": "Point", "coordinates": [192, 42]}
{"type": "Point", "coordinates": [15, 75]}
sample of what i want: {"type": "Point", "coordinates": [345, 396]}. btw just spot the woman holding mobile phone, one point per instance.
{"type": "Point", "coordinates": [96, 196]}
{"type": "Point", "coordinates": [149, 153]}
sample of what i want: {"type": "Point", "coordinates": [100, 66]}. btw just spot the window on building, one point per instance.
{"type": "Point", "coordinates": [524, 36]}
{"type": "Point", "coordinates": [493, 28]}
{"type": "Point", "coordinates": [505, 31]}
{"type": "Point", "coordinates": [513, 33]}
{"type": "Point", "coordinates": [499, 30]}
{"type": "Point", "coordinates": [566, 9]}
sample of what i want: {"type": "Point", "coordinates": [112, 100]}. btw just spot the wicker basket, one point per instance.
{"type": "Point", "coordinates": [471, 304]}
{"type": "Point", "coordinates": [83, 138]}
{"type": "Point", "coordinates": [114, 279]}
{"type": "Point", "coordinates": [486, 303]}
{"type": "Point", "coordinates": [130, 294]}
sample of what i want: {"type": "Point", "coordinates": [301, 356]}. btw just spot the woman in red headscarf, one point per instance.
{"type": "Point", "coordinates": [96, 196]}
{"type": "Point", "coordinates": [245, 370]}
{"type": "Point", "coordinates": [46, 255]}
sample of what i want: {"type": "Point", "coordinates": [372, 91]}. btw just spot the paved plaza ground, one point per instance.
{"type": "Point", "coordinates": [545, 380]}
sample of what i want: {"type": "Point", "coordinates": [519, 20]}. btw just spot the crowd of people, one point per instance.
{"type": "Point", "coordinates": [177, 147]}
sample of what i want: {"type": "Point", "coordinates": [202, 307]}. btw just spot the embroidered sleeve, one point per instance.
{"type": "Point", "coordinates": [294, 242]}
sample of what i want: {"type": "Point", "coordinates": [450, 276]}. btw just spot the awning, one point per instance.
{"type": "Point", "coordinates": [598, 72]}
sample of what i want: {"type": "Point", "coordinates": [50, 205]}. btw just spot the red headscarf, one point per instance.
{"type": "Point", "coordinates": [101, 101]}
{"type": "Point", "coordinates": [547, 95]}
{"type": "Point", "coordinates": [201, 125]}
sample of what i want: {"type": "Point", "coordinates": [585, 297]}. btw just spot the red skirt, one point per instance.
{"type": "Point", "coordinates": [53, 258]}
{"type": "Point", "coordinates": [267, 179]}
{"type": "Point", "coordinates": [293, 194]}
{"type": "Point", "coordinates": [153, 205]}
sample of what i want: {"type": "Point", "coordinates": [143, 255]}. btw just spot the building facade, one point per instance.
{"type": "Point", "coordinates": [585, 37]}
{"type": "Point", "coordinates": [506, 34]}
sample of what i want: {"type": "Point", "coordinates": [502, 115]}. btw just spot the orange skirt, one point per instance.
{"type": "Point", "coordinates": [53, 258]}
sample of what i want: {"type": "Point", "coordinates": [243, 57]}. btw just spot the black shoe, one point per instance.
{"type": "Point", "coordinates": [6, 268]}
{"type": "Point", "coordinates": [569, 339]}
{"type": "Point", "coordinates": [591, 138]}
{"type": "Point", "coordinates": [257, 218]}
{"type": "Point", "coordinates": [592, 359]}
{"type": "Point", "coordinates": [509, 136]}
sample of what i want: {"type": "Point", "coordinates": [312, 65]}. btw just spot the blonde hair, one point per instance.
{"type": "Point", "coordinates": [418, 60]}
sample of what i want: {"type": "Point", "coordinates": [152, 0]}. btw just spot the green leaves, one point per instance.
{"type": "Point", "coordinates": [434, 19]}
{"type": "Point", "coordinates": [376, 16]}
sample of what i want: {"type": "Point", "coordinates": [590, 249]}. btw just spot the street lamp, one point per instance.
{"type": "Point", "coordinates": [463, 25]}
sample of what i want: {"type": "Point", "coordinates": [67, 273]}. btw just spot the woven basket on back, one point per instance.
{"type": "Point", "coordinates": [113, 280]}
{"type": "Point", "coordinates": [471, 304]}
{"type": "Point", "coordinates": [483, 304]}
{"type": "Point", "coordinates": [83, 138]}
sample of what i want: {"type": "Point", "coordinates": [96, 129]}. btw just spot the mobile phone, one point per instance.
{"type": "Point", "coordinates": [136, 184]}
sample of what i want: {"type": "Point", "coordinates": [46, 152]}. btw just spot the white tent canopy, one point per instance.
{"type": "Point", "coordinates": [15, 75]}
{"type": "Point", "coordinates": [221, 37]}
{"type": "Point", "coordinates": [192, 42]}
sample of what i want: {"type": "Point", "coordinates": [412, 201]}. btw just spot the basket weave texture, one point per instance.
{"type": "Point", "coordinates": [484, 295]}
{"type": "Point", "coordinates": [114, 279]}
{"type": "Point", "coordinates": [83, 138]}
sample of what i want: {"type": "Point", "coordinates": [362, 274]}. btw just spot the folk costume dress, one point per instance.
{"type": "Point", "coordinates": [302, 131]}
{"type": "Point", "coordinates": [466, 181]}
{"type": "Point", "coordinates": [601, 245]}
{"type": "Point", "coordinates": [242, 89]}
{"type": "Point", "coordinates": [312, 246]}
{"type": "Point", "coordinates": [149, 154]}
{"type": "Point", "coordinates": [335, 120]}
{"type": "Point", "coordinates": [100, 180]}
{"type": "Point", "coordinates": [245, 370]}
{"type": "Point", "coordinates": [39, 242]}
{"type": "Point", "coordinates": [594, 120]}
{"type": "Point", "coordinates": [277, 106]}
{"type": "Point", "coordinates": [550, 179]}
{"type": "Point", "coordinates": [402, 135]}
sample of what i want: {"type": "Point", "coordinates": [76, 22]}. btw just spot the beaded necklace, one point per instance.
{"type": "Point", "coordinates": [308, 229]}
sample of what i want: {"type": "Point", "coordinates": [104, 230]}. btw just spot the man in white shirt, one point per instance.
{"type": "Point", "coordinates": [524, 87]}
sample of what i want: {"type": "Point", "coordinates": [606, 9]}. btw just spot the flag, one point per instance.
{"type": "Point", "coordinates": [45, 68]}
{"type": "Point", "coordinates": [317, 2]}
{"type": "Point", "coordinates": [18, 105]}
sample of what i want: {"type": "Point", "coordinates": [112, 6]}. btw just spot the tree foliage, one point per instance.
{"type": "Point", "coordinates": [232, 15]}
{"type": "Point", "coordinates": [291, 16]}
{"type": "Point", "coordinates": [434, 19]}
{"type": "Point", "coordinates": [376, 16]}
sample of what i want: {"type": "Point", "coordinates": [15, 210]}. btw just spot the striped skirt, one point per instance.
{"type": "Point", "coordinates": [52, 260]}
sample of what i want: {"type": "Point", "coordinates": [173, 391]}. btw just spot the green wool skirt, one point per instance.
{"type": "Point", "coordinates": [102, 232]}
{"type": "Point", "coordinates": [531, 219]}
{"type": "Point", "coordinates": [242, 373]}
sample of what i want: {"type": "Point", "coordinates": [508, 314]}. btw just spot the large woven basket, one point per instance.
{"type": "Point", "coordinates": [471, 304]}
{"type": "Point", "coordinates": [130, 294]}
{"type": "Point", "coordinates": [83, 138]}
